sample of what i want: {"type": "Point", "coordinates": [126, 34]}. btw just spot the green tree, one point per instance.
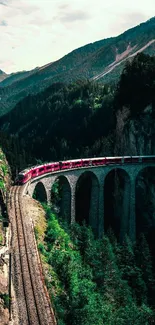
{"type": "Point", "coordinates": [144, 262]}
{"type": "Point", "coordinates": [131, 272]}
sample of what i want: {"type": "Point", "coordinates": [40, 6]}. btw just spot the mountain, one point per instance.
{"type": "Point", "coordinates": [101, 61]}
{"type": "Point", "coordinates": [3, 75]}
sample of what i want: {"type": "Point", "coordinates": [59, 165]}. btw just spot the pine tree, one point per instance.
{"type": "Point", "coordinates": [131, 272]}
{"type": "Point", "coordinates": [116, 290]}
{"type": "Point", "coordinates": [144, 262]}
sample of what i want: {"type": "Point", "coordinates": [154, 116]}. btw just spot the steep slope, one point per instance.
{"type": "Point", "coordinates": [102, 60]}
{"type": "Point", "coordinates": [80, 119]}
{"type": "Point", "coordinates": [14, 77]}
{"type": "Point", "coordinates": [18, 86]}
{"type": "Point", "coordinates": [57, 123]}
{"type": "Point", "coordinates": [120, 59]}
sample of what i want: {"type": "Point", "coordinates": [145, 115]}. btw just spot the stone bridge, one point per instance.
{"type": "Point", "coordinates": [70, 180]}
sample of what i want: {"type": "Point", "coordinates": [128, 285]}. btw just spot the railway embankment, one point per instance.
{"type": "Point", "coordinates": [5, 180]}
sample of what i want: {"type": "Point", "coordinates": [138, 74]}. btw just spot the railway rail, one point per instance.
{"type": "Point", "coordinates": [33, 302]}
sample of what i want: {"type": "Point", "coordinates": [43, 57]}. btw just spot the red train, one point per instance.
{"type": "Point", "coordinates": [36, 171]}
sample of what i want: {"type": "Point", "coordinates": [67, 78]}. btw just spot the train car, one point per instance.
{"type": "Point", "coordinates": [117, 160]}
{"type": "Point", "coordinates": [23, 177]}
{"type": "Point", "coordinates": [86, 162]}
{"type": "Point", "coordinates": [148, 159]}
{"type": "Point", "coordinates": [98, 161]}
{"type": "Point", "coordinates": [127, 159]}
{"type": "Point", "coordinates": [37, 170]}
{"type": "Point", "coordinates": [76, 163]}
{"type": "Point", "coordinates": [113, 160]}
{"type": "Point", "coordinates": [51, 167]}
{"type": "Point", "coordinates": [65, 164]}
{"type": "Point", "coordinates": [34, 172]}
{"type": "Point", "coordinates": [56, 166]}
{"type": "Point", "coordinates": [136, 159]}
{"type": "Point", "coordinates": [43, 169]}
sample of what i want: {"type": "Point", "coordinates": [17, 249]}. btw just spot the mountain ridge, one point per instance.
{"type": "Point", "coordinates": [101, 61]}
{"type": "Point", "coordinates": [3, 75]}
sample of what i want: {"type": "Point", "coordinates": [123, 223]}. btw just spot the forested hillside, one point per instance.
{"type": "Point", "coordinates": [103, 61]}
{"type": "Point", "coordinates": [96, 282]}
{"type": "Point", "coordinates": [81, 119]}
{"type": "Point", "coordinates": [62, 122]}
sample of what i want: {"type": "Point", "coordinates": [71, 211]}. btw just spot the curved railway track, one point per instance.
{"type": "Point", "coordinates": [32, 298]}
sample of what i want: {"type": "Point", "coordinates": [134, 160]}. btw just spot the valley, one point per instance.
{"type": "Point", "coordinates": [80, 230]}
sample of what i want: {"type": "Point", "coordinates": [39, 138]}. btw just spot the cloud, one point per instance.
{"type": "Point", "coordinates": [40, 21]}
{"type": "Point", "coordinates": [3, 2]}
{"type": "Point", "coordinates": [127, 20]}
{"type": "Point", "coordinates": [63, 6]}
{"type": "Point", "coordinates": [135, 16]}
{"type": "Point", "coordinates": [132, 18]}
{"type": "Point", "coordinates": [3, 23]}
{"type": "Point", "coordinates": [26, 8]}
{"type": "Point", "coordinates": [70, 17]}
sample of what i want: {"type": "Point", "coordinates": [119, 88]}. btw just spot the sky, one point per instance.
{"type": "Point", "coordinates": [36, 32]}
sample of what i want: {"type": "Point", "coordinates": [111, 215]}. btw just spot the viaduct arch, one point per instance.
{"type": "Point", "coordinates": [39, 192]}
{"type": "Point", "coordinates": [145, 201]}
{"type": "Point", "coordinates": [87, 199]}
{"type": "Point", "coordinates": [97, 177]}
{"type": "Point", "coordinates": [117, 202]}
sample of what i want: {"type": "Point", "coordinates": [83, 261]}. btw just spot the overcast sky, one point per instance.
{"type": "Point", "coordinates": [36, 32]}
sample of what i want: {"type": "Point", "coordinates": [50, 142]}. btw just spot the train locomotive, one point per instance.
{"type": "Point", "coordinates": [36, 171]}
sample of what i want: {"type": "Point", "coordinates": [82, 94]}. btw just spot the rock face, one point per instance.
{"type": "Point", "coordinates": [135, 136]}
{"type": "Point", "coordinates": [4, 240]}
{"type": "Point", "coordinates": [4, 314]}
{"type": "Point", "coordinates": [145, 207]}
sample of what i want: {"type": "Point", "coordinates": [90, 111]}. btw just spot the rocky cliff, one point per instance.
{"type": "Point", "coordinates": [135, 136]}
{"type": "Point", "coordinates": [4, 240]}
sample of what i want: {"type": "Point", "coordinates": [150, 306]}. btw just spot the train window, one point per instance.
{"type": "Point", "coordinates": [78, 163]}
{"type": "Point", "coordinates": [56, 166]}
{"type": "Point", "coordinates": [41, 169]}
{"type": "Point", "coordinates": [65, 165]}
{"type": "Point", "coordinates": [94, 162]}
{"type": "Point", "coordinates": [48, 167]}
{"type": "Point", "coordinates": [34, 172]}
{"type": "Point", "coordinates": [118, 160]}
{"type": "Point", "coordinates": [99, 162]}
{"type": "Point", "coordinates": [103, 161]}
{"type": "Point", "coordinates": [86, 162]}
{"type": "Point", "coordinates": [127, 159]}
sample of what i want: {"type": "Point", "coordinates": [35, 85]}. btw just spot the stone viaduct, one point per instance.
{"type": "Point", "coordinates": [70, 179]}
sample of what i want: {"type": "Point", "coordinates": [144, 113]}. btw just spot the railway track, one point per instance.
{"type": "Point", "coordinates": [33, 302]}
